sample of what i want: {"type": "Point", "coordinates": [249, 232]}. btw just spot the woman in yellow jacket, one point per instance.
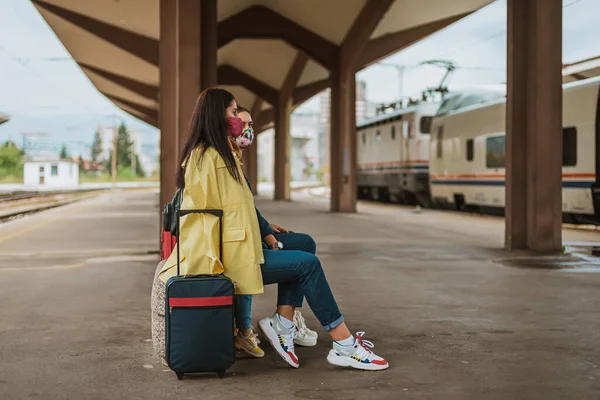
{"type": "Point", "coordinates": [211, 178]}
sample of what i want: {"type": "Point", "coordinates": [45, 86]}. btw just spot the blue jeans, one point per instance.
{"type": "Point", "coordinates": [291, 241]}
{"type": "Point", "coordinates": [299, 274]}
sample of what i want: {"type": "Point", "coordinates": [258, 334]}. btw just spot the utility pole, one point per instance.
{"type": "Point", "coordinates": [114, 154]}
{"type": "Point", "coordinates": [133, 159]}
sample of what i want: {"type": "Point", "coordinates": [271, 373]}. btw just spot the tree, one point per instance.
{"type": "Point", "coordinates": [97, 146]}
{"type": "Point", "coordinates": [10, 160]}
{"type": "Point", "coordinates": [139, 169]}
{"type": "Point", "coordinates": [64, 152]}
{"type": "Point", "coordinates": [125, 149]}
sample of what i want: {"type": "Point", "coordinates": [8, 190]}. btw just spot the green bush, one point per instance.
{"type": "Point", "coordinates": [11, 164]}
{"type": "Point", "coordinates": [320, 173]}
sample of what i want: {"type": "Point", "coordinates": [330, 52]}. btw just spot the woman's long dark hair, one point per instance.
{"type": "Point", "coordinates": [208, 128]}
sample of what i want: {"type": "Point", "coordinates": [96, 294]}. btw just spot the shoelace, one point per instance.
{"type": "Point", "coordinates": [300, 322]}
{"type": "Point", "coordinates": [254, 336]}
{"type": "Point", "coordinates": [363, 346]}
{"type": "Point", "coordinates": [288, 340]}
{"type": "Point", "coordinates": [256, 339]}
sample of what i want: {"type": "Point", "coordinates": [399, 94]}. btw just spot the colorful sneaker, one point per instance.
{"type": "Point", "coordinates": [249, 344]}
{"type": "Point", "coordinates": [305, 336]}
{"type": "Point", "coordinates": [357, 356]}
{"type": "Point", "coordinates": [281, 338]}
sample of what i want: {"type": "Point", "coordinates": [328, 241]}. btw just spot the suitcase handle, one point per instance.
{"type": "Point", "coordinates": [216, 213]}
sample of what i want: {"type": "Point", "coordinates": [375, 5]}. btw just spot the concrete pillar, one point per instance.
{"type": "Point", "coordinates": [188, 61]}
{"type": "Point", "coordinates": [534, 125]}
{"type": "Point", "coordinates": [179, 48]}
{"type": "Point", "coordinates": [342, 141]}
{"type": "Point", "coordinates": [251, 164]}
{"type": "Point", "coordinates": [282, 116]}
{"type": "Point", "coordinates": [251, 153]}
{"type": "Point", "coordinates": [209, 43]}
{"type": "Point", "coordinates": [342, 149]}
{"type": "Point", "coordinates": [283, 112]}
{"type": "Point", "coordinates": [168, 122]}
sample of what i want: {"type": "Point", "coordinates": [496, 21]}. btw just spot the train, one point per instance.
{"type": "Point", "coordinates": [451, 153]}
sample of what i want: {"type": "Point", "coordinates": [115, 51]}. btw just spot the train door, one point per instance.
{"type": "Point", "coordinates": [404, 148]}
{"type": "Point", "coordinates": [421, 146]}
{"type": "Point", "coordinates": [596, 185]}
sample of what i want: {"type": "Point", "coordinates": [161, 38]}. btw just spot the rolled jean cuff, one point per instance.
{"type": "Point", "coordinates": [333, 324]}
{"type": "Point", "coordinates": [291, 301]}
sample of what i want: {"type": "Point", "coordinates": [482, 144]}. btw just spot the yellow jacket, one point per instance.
{"type": "Point", "coordinates": [209, 185]}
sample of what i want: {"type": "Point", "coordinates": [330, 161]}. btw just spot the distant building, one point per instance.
{"type": "Point", "coordinates": [149, 164]}
{"type": "Point", "coordinates": [89, 167]}
{"type": "Point", "coordinates": [61, 173]}
{"type": "Point", "coordinates": [108, 135]}
{"type": "Point", "coordinates": [364, 110]}
{"type": "Point", "coordinates": [304, 148]}
{"type": "Point", "coordinates": [266, 155]}
{"type": "Point", "coordinates": [324, 129]}
{"type": "Point", "coordinates": [309, 146]}
{"type": "Point", "coordinates": [146, 152]}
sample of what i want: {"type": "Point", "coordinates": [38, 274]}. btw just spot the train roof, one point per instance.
{"type": "Point", "coordinates": [583, 82]}
{"type": "Point", "coordinates": [395, 115]}
{"type": "Point", "coordinates": [462, 103]}
{"type": "Point", "coordinates": [470, 97]}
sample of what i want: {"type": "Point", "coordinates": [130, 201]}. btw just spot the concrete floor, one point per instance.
{"type": "Point", "coordinates": [432, 290]}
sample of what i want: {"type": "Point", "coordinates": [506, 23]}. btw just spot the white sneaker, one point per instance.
{"type": "Point", "coordinates": [281, 339]}
{"type": "Point", "coordinates": [305, 336]}
{"type": "Point", "coordinates": [357, 356]}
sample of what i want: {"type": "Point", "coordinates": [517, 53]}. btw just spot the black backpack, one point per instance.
{"type": "Point", "coordinates": [169, 221]}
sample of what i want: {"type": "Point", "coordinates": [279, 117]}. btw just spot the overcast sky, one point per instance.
{"type": "Point", "coordinates": [42, 89]}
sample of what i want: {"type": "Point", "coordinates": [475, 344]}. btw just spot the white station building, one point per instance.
{"type": "Point", "coordinates": [59, 173]}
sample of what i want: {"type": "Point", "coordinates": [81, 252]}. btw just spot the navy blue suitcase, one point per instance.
{"type": "Point", "coordinates": [199, 318]}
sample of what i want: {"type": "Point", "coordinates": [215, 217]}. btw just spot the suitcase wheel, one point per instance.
{"type": "Point", "coordinates": [179, 375]}
{"type": "Point", "coordinates": [221, 374]}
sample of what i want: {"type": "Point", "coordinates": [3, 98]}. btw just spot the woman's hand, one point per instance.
{"type": "Point", "coordinates": [271, 242]}
{"type": "Point", "coordinates": [278, 229]}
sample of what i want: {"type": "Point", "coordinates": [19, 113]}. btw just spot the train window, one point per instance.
{"type": "Point", "coordinates": [569, 147]}
{"type": "Point", "coordinates": [440, 140]}
{"type": "Point", "coordinates": [378, 135]}
{"type": "Point", "coordinates": [426, 125]}
{"type": "Point", "coordinates": [393, 132]}
{"type": "Point", "coordinates": [449, 104]}
{"type": "Point", "coordinates": [470, 150]}
{"type": "Point", "coordinates": [495, 152]}
{"type": "Point", "coordinates": [364, 138]}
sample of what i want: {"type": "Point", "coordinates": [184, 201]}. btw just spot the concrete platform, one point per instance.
{"type": "Point", "coordinates": [433, 290]}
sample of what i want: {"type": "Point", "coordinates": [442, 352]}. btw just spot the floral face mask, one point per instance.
{"type": "Point", "coordinates": [246, 138]}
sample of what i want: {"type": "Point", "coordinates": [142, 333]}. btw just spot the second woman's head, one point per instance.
{"type": "Point", "coordinates": [213, 120]}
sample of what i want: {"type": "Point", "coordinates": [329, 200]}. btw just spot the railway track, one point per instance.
{"type": "Point", "coordinates": [17, 196]}
{"type": "Point", "coordinates": [15, 205]}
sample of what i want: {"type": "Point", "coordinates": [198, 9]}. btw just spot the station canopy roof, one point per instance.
{"type": "Point", "coordinates": [116, 43]}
